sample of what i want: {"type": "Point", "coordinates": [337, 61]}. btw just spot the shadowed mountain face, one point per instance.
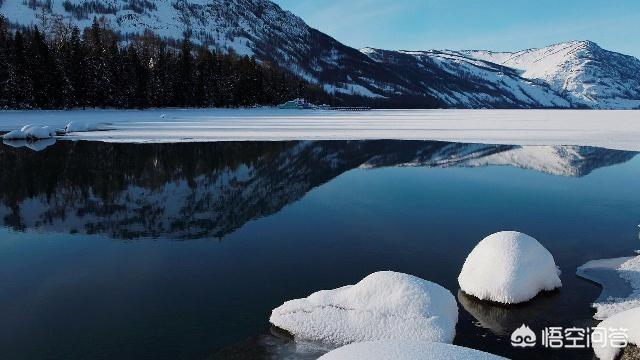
{"type": "Point", "coordinates": [204, 190]}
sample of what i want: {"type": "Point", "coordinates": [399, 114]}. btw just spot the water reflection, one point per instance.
{"type": "Point", "coordinates": [502, 320]}
{"type": "Point", "coordinates": [37, 145]}
{"type": "Point", "coordinates": [273, 345]}
{"type": "Point", "coordinates": [188, 191]}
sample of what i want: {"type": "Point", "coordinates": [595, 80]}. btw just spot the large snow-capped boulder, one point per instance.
{"type": "Point", "coordinates": [509, 267]}
{"type": "Point", "coordinates": [601, 340]}
{"type": "Point", "coordinates": [29, 132]}
{"type": "Point", "coordinates": [405, 350]}
{"type": "Point", "coordinates": [383, 305]}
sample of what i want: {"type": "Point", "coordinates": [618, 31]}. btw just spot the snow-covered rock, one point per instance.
{"type": "Point", "coordinates": [30, 132]}
{"type": "Point", "coordinates": [629, 320]}
{"type": "Point", "coordinates": [509, 267]}
{"type": "Point", "coordinates": [383, 305]}
{"type": "Point", "coordinates": [80, 126]}
{"type": "Point", "coordinates": [405, 350]}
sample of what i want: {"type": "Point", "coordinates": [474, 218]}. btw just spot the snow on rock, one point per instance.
{"type": "Point", "coordinates": [31, 132]}
{"type": "Point", "coordinates": [629, 320]}
{"type": "Point", "coordinates": [383, 305]}
{"type": "Point", "coordinates": [405, 350]}
{"type": "Point", "coordinates": [509, 267]}
{"type": "Point", "coordinates": [620, 281]}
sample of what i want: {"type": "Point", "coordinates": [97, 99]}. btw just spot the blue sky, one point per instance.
{"type": "Point", "coordinates": [469, 24]}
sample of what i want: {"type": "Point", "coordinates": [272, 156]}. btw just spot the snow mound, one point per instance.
{"type": "Point", "coordinates": [29, 132]}
{"type": "Point", "coordinates": [80, 126]}
{"type": "Point", "coordinates": [620, 281]}
{"type": "Point", "coordinates": [383, 305]}
{"type": "Point", "coordinates": [405, 350]}
{"type": "Point", "coordinates": [509, 267]}
{"type": "Point", "coordinates": [629, 320]}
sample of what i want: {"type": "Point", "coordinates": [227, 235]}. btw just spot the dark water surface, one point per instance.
{"type": "Point", "coordinates": [181, 251]}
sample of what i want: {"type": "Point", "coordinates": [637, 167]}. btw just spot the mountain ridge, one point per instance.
{"type": "Point", "coordinates": [576, 74]}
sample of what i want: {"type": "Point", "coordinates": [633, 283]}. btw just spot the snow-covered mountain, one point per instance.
{"type": "Point", "coordinates": [573, 74]}
{"type": "Point", "coordinates": [465, 82]}
{"type": "Point", "coordinates": [582, 71]}
{"type": "Point", "coordinates": [185, 191]}
{"type": "Point", "coordinates": [248, 27]}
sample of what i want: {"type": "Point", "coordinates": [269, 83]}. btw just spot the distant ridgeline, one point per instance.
{"type": "Point", "coordinates": [70, 68]}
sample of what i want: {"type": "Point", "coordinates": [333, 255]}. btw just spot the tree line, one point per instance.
{"type": "Point", "coordinates": [65, 67]}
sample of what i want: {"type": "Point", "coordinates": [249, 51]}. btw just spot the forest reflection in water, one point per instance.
{"type": "Point", "coordinates": [204, 190]}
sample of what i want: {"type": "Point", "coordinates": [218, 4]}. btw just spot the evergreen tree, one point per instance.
{"type": "Point", "coordinates": [71, 69]}
{"type": "Point", "coordinates": [6, 68]}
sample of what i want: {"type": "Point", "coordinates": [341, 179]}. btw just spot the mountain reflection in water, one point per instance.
{"type": "Point", "coordinates": [202, 190]}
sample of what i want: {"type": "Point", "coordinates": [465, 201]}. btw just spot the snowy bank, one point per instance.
{"type": "Point", "coordinates": [405, 350]}
{"type": "Point", "coordinates": [629, 320]}
{"type": "Point", "coordinates": [31, 132]}
{"type": "Point", "coordinates": [620, 281]}
{"type": "Point", "coordinates": [608, 129]}
{"type": "Point", "coordinates": [384, 305]}
{"type": "Point", "coordinates": [509, 267]}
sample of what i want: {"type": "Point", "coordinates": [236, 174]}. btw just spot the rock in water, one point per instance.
{"type": "Point", "coordinates": [509, 267]}
{"type": "Point", "coordinates": [384, 305]}
{"type": "Point", "coordinates": [405, 350]}
{"type": "Point", "coordinates": [628, 320]}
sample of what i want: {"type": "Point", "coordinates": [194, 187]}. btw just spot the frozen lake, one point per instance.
{"type": "Point", "coordinates": [610, 129]}
{"type": "Point", "coordinates": [181, 251]}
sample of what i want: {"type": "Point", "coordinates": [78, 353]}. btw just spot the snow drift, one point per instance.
{"type": "Point", "coordinates": [80, 126]}
{"type": "Point", "coordinates": [31, 132]}
{"type": "Point", "coordinates": [629, 320]}
{"type": "Point", "coordinates": [509, 267]}
{"type": "Point", "coordinates": [620, 281]}
{"type": "Point", "coordinates": [384, 305]}
{"type": "Point", "coordinates": [405, 350]}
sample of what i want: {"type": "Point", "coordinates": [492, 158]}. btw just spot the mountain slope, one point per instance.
{"type": "Point", "coordinates": [464, 82]}
{"type": "Point", "coordinates": [585, 73]}
{"type": "Point", "coordinates": [574, 74]}
{"type": "Point", "coordinates": [248, 27]}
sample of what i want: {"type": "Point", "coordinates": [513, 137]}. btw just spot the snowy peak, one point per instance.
{"type": "Point", "coordinates": [582, 71]}
{"type": "Point", "coordinates": [466, 82]}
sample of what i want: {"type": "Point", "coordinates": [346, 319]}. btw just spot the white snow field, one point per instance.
{"type": "Point", "coordinates": [405, 350]}
{"type": "Point", "coordinates": [620, 281]}
{"type": "Point", "coordinates": [382, 306]}
{"type": "Point", "coordinates": [629, 320]}
{"type": "Point", "coordinates": [609, 129]}
{"type": "Point", "coordinates": [508, 267]}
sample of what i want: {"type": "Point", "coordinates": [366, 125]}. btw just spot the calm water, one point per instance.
{"type": "Point", "coordinates": [180, 251]}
